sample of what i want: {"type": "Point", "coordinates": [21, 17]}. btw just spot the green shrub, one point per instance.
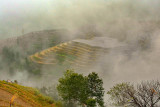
{"type": "Point", "coordinates": [91, 102]}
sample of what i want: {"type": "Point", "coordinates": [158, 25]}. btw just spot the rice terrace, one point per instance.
{"type": "Point", "coordinates": [79, 53]}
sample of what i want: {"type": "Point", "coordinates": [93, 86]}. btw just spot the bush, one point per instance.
{"type": "Point", "coordinates": [91, 103]}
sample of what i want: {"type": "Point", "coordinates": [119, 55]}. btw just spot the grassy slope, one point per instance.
{"type": "Point", "coordinates": [70, 54]}
{"type": "Point", "coordinates": [26, 95]}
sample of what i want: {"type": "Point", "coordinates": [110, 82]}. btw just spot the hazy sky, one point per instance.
{"type": "Point", "coordinates": [16, 15]}
{"type": "Point", "coordinates": [28, 15]}
{"type": "Point", "coordinates": [32, 15]}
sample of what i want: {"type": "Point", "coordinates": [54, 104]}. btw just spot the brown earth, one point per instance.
{"type": "Point", "coordinates": [5, 98]}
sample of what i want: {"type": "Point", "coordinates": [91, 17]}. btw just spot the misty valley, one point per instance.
{"type": "Point", "coordinates": [79, 53]}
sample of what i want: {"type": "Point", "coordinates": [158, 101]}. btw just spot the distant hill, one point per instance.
{"type": "Point", "coordinates": [78, 53]}
{"type": "Point", "coordinates": [14, 52]}
{"type": "Point", "coordinates": [22, 96]}
{"type": "Point", "coordinates": [36, 41]}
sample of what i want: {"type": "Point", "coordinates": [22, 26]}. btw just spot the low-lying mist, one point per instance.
{"type": "Point", "coordinates": [134, 23]}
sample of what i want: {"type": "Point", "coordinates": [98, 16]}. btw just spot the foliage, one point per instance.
{"type": "Point", "coordinates": [85, 90]}
{"type": "Point", "coordinates": [15, 60]}
{"type": "Point", "coordinates": [32, 68]}
{"type": "Point", "coordinates": [146, 94]}
{"type": "Point", "coordinates": [72, 87]}
{"type": "Point", "coordinates": [91, 103]}
{"type": "Point", "coordinates": [119, 92]}
{"type": "Point", "coordinates": [11, 57]}
{"type": "Point", "coordinates": [96, 90]}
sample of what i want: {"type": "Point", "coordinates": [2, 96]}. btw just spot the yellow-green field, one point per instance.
{"type": "Point", "coordinates": [71, 53]}
{"type": "Point", "coordinates": [25, 96]}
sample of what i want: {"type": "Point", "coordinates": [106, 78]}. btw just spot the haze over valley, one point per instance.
{"type": "Point", "coordinates": [117, 39]}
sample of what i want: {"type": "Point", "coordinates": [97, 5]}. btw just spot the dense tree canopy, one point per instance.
{"type": "Point", "coordinates": [75, 88]}
{"type": "Point", "coordinates": [72, 88]}
{"type": "Point", "coordinates": [95, 85]}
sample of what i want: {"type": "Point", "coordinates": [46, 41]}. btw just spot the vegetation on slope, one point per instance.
{"type": "Point", "coordinates": [72, 54]}
{"type": "Point", "coordinates": [14, 52]}
{"type": "Point", "coordinates": [29, 95]}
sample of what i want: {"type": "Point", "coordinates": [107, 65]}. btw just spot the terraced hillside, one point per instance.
{"type": "Point", "coordinates": [22, 96]}
{"type": "Point", "coordinates": [75, 54]}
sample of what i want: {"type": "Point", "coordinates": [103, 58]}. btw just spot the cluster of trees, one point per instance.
{"type": "Point", "coordinates": [12, 59]}
{"type": "Point", "coordinates": [87, 91]}
{"type": "Point", "coordinates": [76, 89]}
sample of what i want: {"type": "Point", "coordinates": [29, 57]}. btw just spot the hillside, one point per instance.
{"type": "Point", "coordinates": [15, 51]}
{"type": "Point", "coordinates": [35, 41]}
{"type": "Point", "coordinates": [25, 96]}
{"type": "Point", "coordinates": [77, 54]}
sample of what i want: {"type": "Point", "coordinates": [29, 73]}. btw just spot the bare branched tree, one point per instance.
{"type": "Point", "coordinates": [146, 94]}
